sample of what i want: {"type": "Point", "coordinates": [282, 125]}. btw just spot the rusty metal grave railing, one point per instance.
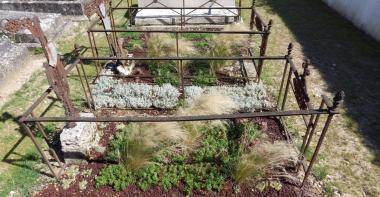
{"type": "Point", "coordinates": [291, 81]}
{"type": "Point", "coordinates": [257, 27]}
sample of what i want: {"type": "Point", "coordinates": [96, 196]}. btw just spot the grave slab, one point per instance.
{"type": "Point", "coordinates": [146, 17]}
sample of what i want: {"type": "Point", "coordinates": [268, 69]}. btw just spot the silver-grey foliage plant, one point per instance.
{"type": "Point", "coordinates": [111, 93]}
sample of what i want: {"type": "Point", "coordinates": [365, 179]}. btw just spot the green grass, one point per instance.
{"type": "Point", "coordinates": [22, 174]}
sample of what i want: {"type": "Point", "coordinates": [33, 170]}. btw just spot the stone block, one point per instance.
{"type": "Point", "coordinates": [76, 142]}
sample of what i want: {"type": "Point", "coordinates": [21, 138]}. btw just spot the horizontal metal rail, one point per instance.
{"type": "Point", "coordinates": [175, 31]}
{"type": "Point", "coordinates": [182, 8]}
{"type": "Point", "coordinates": [175, 118]}
{"type": "Point", "coordinates": [189, 58]}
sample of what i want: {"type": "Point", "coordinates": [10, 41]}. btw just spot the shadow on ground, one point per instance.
{"type": "Point", "coordinates": [346, 57]}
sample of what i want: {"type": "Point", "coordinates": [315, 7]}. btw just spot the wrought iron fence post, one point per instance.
{"type": "Point", "coordinates": [263, 47]}
{"type": "Point", "coordinates": [338, 99]}
{"type": "Point", "coordinates": [290, 48]}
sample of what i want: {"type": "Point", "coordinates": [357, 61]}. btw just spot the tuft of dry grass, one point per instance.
{"type": "Point", "coordinates": [224, 45]}
{"type": "Point", "coordinates": [161, 45]}
{"type": "Point", "coordinates": [144, 140]}
{"type": "Point", "coordinates": [213, 103]}
{"type": "Point", "coordinates": [265, 156]}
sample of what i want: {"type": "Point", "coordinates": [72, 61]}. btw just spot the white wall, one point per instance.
{"type": "Point", "coordinates": [365, 14]}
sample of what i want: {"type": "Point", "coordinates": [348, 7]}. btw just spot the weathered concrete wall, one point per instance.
{"type": "Point", "coordinates": [365, 14]}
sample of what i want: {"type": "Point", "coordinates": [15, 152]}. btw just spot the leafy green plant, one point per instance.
{"type": "Point", "coordinates": [133, 40]}
{"type": "Point", "coordinates": [214, 145]}
{"type": "Point", "coordinates": [148, 176]}
{"type": "Point", "coordinates": [165, 73]}
{"type": "Point", "coordinates": [203, 79]}
{"type": "Point", "coordinates": [115, 176]}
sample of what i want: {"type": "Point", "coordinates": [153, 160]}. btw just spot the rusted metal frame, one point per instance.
{"type": "Point", "coordinates": [263, 47]}
{"type": "Point", "coordinates": [178, 31]}
{"type": "Point", "coordinates": [310, 131]}
{"type": "Point", "coordinates": [88, 86]}
{"type": "Point", "coordinates": [182, 14]}
{"type": "Point", "coordinates": [129, 19]}
{"type": "Point", "coordinates": [298, 104]}
{"type": "Point", "coordinates": [253, 15]}
{"type": "Point", "coordinates": [84, 89]}
{"type": "Point", "coordinates": [288, 56]}
{"type": "Point", "coordinates": [250, 53]}
{"type": "Point", "coordinates": [319, 144]}
{"type": "Point", "coordinates": [32, 137]}
{"type": "Point", "coordinates": [151, 76]}
{"type": "Point", "coordinates": [178, 8]}
{"type": "Point", "coordinates": [113, 26]}
{"type": "Point", "coordinates": [93, 54]}
{"type": "Point", "coordinates": [332, 110]}
{"type": "Point", "coordinates": [165, 7]}
{"type": "Point", "coordinates": [42, 97]}
{"type": "Point", "coordinates": [96, 53]}
{"type": "Point", "coordinates": [46, 138]}
{"type": "Point", "coordinates": [194, 9]}
{"type": "Point", "coordinates": [243, 72]}
{"type": "Point", "coordinates": [175, 118]}
{"type": "Point", "coordinates": [239, 11]}
{"type": "Point", "coordinates": [38, 101]}
{"type": "Point", "coordinates": [282, 83]}
{"type": "Point", "coordinates": [189, 58]}
{"type": "Point", "coordinates": [288, 81]}
{"type": "Point", "coordinates": [226, 8]}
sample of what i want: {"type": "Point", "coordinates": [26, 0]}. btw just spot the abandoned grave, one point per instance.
{"type": "Point", "coordinates": [177, 106]}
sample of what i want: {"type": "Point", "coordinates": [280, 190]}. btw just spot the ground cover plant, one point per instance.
{"type": "Point", "coordinates": [199, 156]}
{"type": "Point", "coordinates": [111, 93]}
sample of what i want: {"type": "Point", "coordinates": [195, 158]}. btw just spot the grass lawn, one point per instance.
{"type": "Point", "coordinates": [342, 57]}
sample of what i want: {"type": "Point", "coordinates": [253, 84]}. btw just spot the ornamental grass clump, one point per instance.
{"type": "Point", "coordinates": [264, 157]}
{"type": "Point", "coordinates": [137, 143]}
{"type": "Point", "coordinates": [226, 45]}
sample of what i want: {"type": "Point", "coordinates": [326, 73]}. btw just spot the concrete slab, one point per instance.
{"type": "Point", "coordinates": [52, 25]}
{"type": "Point", "coordinates": [64, 7]}
{"type": "Point", "coordinates": [12, 57]}
{"type": "Point", "coordinates": [194, 16]}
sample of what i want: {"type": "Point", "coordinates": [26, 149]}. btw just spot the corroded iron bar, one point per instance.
{"type": "Point", "coordinates": [174, 118]}
{"type": "Point", "coordinates": [177, 31]}
{"type": "Point", "coordinates": [189, 58]}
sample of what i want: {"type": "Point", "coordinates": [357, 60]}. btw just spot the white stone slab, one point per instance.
{"type": "Point", "coordinates": [194, 16]}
